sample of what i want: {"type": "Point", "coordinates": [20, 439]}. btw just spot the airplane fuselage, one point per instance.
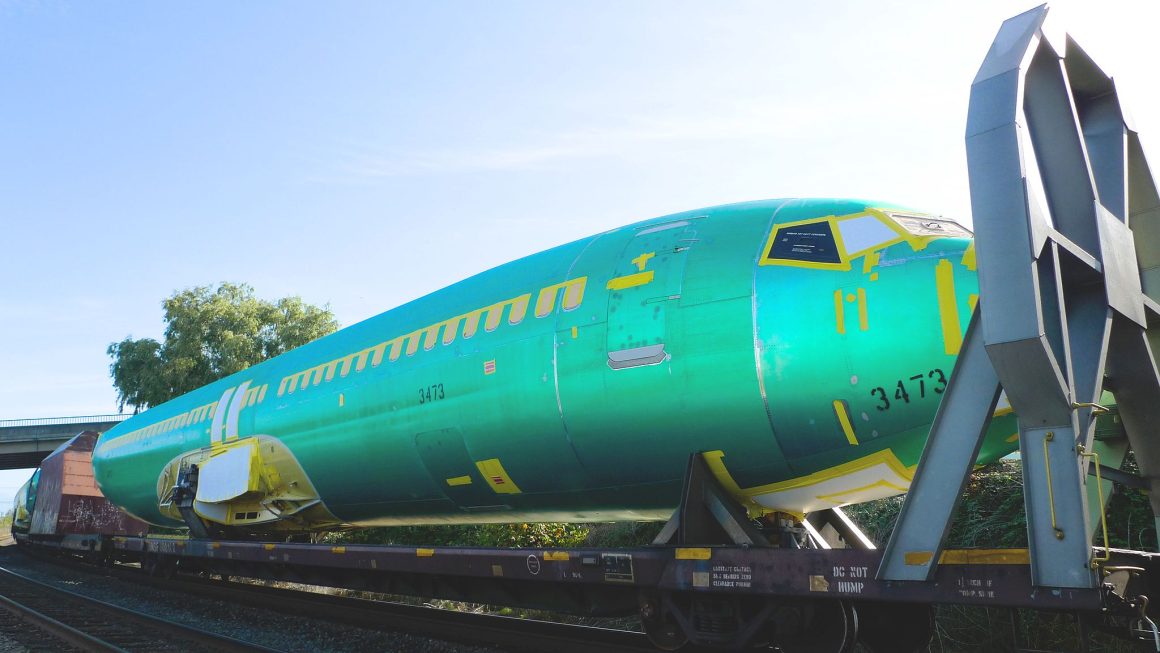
{"type": "Point", "coordinates": [801, 345]}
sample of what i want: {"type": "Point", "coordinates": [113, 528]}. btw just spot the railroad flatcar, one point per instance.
{"type": "Point", "coordinates": [802, 345]}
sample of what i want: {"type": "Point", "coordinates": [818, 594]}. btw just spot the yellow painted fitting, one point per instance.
{"type": "Point", "coordinates": [1050, 489]}
{"type": "Point", "coordinates": [944, 274]}
{"type": "Point", "coordinates": [700, 553]}
{"type": "Point", "coordinates": [630, 280]}
{"type": "Point", "coordinates": [559, 556]}
{"type": "Point", "coordinates": [985, 557]}
{"type": "Point", "coordinates": [338, 549]}
{"type": "Point", "coordinates": [968, 260]}
{"type": "Point", "coordinates": [839, 311]}
{"type": "Point", "coordinates": [1098, 560]}
{"type": "Point", "coordinates": [844, 421]}
{"type": "Point", "coordinates": [863, 317]}
{"type": "Point", "coordinates": [834, 497]}
{"type": "Point", "coordinates": [641, 261]}
{"type": "Point", "coordinates": [424, 553]}
{"type": "Point", "coordinates": [497, 477]}
{"type": "Point", "coordinates": [459, 480]}
{"type": "Point", "coordinates": [917, 558]}
{"type": "Point", "coordinates": [1096, 408]}
{"type": "Point", "coordinates": [883, 457]}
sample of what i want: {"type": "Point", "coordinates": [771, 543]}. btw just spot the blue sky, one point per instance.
{"type": "Point", "coordinates": [363, 154]}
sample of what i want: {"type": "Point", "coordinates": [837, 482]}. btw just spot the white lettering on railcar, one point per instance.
{"type": "Point", "coordinates": [731, 576]}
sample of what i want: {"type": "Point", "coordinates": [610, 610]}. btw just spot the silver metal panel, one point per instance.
{"type": "Point", "coordinates": [1063, 203]}
{"type": "Point", "coordinates": [1054, 495]}
{"type": "Point", "coordinates": [1034, 382]}
{"type": "Point", "coordinates": [999, 204]}
{"type": "Point", "coordinates": [1121, 274]}
{"type": "Point", "coordinates": [1090, 325]}
{"type": "Point", "coordinates": [637, 357]}
{"type": "Point", "coordinates": [1054, 130]}
{"type": "Point", "coordinates": [1133, 378]}
{"type": "Point", "coordinates": [946, 464]}
{"type": "Point", "coordinates": [1106, 139]}
{"type": "Point", "coordinates": [1144, 216]}
{"type": "Point", "coordinates": [1011, 44]}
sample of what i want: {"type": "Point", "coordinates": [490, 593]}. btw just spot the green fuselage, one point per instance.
{"type": "Point", "coordinates": [802, 345]}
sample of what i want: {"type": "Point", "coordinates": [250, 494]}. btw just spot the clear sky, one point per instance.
{"type": "Point", "coordinates": [364, 154]}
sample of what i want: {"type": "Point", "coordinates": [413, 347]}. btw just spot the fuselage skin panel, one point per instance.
{"type": "Point", "coordinates": [801, 345]}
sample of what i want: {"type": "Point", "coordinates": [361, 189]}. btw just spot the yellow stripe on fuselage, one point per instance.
{"type": "Point", "coordinates": [948, 311]}
{"type": "Point", "coordinates": [844, 421]}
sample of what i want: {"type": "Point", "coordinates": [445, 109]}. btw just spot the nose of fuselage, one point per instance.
{"type": "Point", "coordinates": [859, 317]}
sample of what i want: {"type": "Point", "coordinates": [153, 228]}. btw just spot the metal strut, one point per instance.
{"type": "Point", "coordinates": [1067, 221]}
{"type": "Point", "coordinates": [707, 513]}
{"type": "Point", "coordinates": [183, 495]}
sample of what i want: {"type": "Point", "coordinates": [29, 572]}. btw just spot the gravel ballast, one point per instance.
{"type": "Point", "coordinates": [255, 625]}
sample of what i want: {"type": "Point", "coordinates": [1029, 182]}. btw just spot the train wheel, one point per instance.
{"type": "Point", "coordinates": [818, 627]}
{"type": "Point", "coordinates": [662, 630]}
{"type": "Point", "coordinates": [889, 627]}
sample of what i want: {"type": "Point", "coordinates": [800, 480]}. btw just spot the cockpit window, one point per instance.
{"type": "Point", "coordinates": [812, 242]}
{"type": "Point", "coordinates": [863, 233]}
{"type": "Point", "coordinates": [921, 225]}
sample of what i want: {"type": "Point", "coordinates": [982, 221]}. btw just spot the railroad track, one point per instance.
{"type": "Point", "coordinates": [86, 624]}
{"type": "Point", "coordinates": [507, 633]}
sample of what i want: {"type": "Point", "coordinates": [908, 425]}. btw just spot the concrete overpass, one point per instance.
{"type": "Point", "coordinates": [25, 442]}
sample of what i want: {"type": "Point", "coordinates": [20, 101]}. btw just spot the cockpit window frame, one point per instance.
{"type": "Point", "coordinates": [809, 238]}
{"type": "Point", "coordinates": [917, 242]}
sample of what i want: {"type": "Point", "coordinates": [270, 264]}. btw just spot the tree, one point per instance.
{"type": "Point", "coordinates": [209, 334]}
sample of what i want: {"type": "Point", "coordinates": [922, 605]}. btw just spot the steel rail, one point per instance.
{"type": "Point", "coordinates": [167, 630]}
{"type": "Point", "coordinates": [510, 633]}
{"type": "Point", "coordinates": [62, 631]}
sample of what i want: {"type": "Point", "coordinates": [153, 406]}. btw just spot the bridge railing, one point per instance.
{"type": "Point", "coordinates": [53, 421]}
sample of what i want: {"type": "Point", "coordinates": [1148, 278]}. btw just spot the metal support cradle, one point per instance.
{"type": "Point", "coordinates": [1067, 222]}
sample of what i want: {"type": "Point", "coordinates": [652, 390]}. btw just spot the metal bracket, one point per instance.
{"type": "Point", "coordinates": [842, 525]}
{"type": "Point", "coordinates": [1067, 221]}
{"type": "Point", "coordinates": [183, 495]}
{"type": "Point", "coordinates": [708, 514]}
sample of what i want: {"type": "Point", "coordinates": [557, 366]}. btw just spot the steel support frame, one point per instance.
{"type": "Point", "coordinates": [1067, 221]}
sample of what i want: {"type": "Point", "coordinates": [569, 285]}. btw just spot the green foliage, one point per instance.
{"type": "Point", "coordinates": [550, 535]}
{"type": "Point", "coordinates": [210, 333]}
{"type": "Point", "coordinates": [545, 535]}
{"type": "Point", "coordinates": [991, 513]}
{"type": "Point", "coordinates": [623, 534]}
